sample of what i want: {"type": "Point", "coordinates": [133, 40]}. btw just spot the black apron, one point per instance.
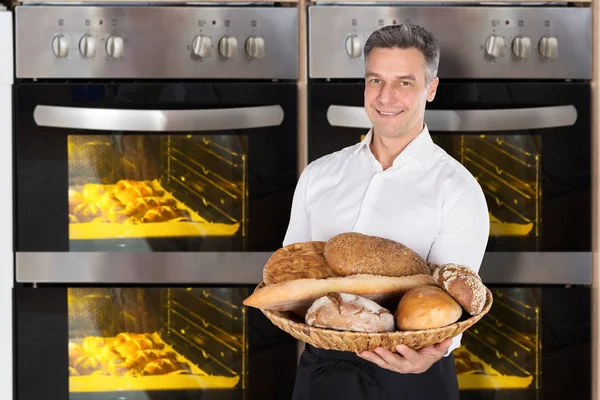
{"type": "Point", "coordinates": [327, 374]}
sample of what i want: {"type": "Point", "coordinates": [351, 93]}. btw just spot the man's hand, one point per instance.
{"type": "Point", "coordinates": [408, 361]}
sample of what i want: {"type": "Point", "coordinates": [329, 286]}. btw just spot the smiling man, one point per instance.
{"type": "Point", "coordinates": [396, 184]}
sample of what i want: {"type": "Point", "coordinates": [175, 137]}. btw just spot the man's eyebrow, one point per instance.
{"type": "Point", "coordinates": [409, 77]}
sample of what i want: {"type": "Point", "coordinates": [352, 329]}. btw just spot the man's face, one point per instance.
{"type": "Point", "coordinates": [396, 91]}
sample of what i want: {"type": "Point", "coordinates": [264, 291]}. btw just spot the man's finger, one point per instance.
{"type": "Point", "coordinates": [409, 354]}
{"type": "Point", "coordinates": [374, 358]}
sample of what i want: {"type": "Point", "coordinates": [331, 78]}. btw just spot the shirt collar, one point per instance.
{"type": "Point", "coordinates": [421, 147]}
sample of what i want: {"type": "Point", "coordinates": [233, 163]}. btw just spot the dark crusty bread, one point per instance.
{"type": "Point", "coordinates": [298, 295]}
{"type": "Point", "coordinates": [297, 261]}
{"type": "Point", "coordinates": [354, 253]}
{"type": "Point", "coordinates": [426, 307]}
{"type": "Point", "coordinates": [462, 283]}
{"type": "Point", "coordinates": [349, 312]}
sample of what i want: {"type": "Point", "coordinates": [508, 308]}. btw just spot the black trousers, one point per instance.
{"type": "Point", "coordinates": [331, 375]}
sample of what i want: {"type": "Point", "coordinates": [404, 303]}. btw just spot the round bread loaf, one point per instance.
{"type": "Point", "coordinates": [349, 312]}
{"type": "Point", "coordinates": [354, 253]}
{"type": "Point", "coordinates": [297, 261]}
{"type": "Point", "coordinates": [462, 283]}
{"type": "Point", "coordinates": [426, 307]}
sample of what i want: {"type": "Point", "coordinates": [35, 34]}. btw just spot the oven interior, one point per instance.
{"type": "Point", "coordinates": [508, 169]}
{"type": "Point", "coordinates": [144, 186]}
{"type": "Point", "coordinates": [503, 350]}
{"type": "Point", "coordinates": [144, 339]}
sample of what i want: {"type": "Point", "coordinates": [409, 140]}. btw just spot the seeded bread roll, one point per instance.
{"type": "Point", "coordinates": [349, 312]}
{"type": "Point", "coordinates": [426, 307]}
{"type": "Point", "coordinates": [462, 283]}
{"type": "Point", "coordinates": [355, 253]}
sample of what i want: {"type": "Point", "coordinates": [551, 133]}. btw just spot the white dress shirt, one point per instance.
{"type": "Point", "coordinates": [426, 200]}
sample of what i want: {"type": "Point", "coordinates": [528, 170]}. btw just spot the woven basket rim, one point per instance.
{"type": "Point", "coordinates": [317, 336]}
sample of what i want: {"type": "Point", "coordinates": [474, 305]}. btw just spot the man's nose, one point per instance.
{"type": "Point", "coordinates": [386, 95]}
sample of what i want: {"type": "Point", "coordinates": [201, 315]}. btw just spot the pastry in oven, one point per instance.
{"type": "Point", "coordinates": [93, 192]}
{"type": "Point", "coordinates": [87, 212]}
{"type": "Point", "coordinates": [75, 199]}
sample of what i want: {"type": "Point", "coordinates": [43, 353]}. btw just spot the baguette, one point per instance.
{"type": "Point", "coordinates": [299, 294]}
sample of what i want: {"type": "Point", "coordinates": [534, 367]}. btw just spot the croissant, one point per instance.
{"type": "Point", "coordinates": [164, 213]}
{"type": "Point", "coordinates": [75, 199]}
{"type": "Point", "coordinates": [141, 205]}
{"type": "Point", "coordinates": [86, 365]}
{"type": "Point", "coordinates": [144, 188]}
{"type": "Point", "coordinates": [128, 348]}
{"type": "Point", "coordinates": [93, 345]}
{"type": "Point", "coordinates": [116, 213]}
{"type": "Point", "coordinates": [128, 195]}
{"type": "Point", "coordinates": [73, 219]}
{"type": "Point", "coordinates": [92, 192]}
{"type": "Point", "coordinates": [75, 351]}
{"type": "Point", "coordinates": [108, 202]}
{"type": "Point", "coordinates": [160, 367]}
{"type": "Point", "coordinates": [87, 212]}
{"type": "Point", "coordinates": [117, 366]}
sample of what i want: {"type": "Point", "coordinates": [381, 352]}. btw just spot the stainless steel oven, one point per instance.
{"type": "Point", "coordinates": [168, 131]}
{"type": "Point", "coordinates": [155, 162]}
{"type": "Point", "coordinates": [514, 107]}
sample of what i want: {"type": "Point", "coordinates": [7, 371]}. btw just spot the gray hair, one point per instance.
{"type": "Point", "coordinates": [407, 36]}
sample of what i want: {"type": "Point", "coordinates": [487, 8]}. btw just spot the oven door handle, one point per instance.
{"type": "Point", "coordinates": [469, 120]}
{"type": "Point", "coordinates": [111, 119]}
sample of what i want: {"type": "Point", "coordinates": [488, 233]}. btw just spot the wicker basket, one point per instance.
{"type": "Point", "coordinates": [359, 341]}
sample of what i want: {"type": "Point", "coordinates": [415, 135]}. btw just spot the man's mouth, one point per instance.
{"type": "Point", "coordinates": [388, 113]}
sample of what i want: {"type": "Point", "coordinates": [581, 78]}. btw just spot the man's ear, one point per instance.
{"type": "Point", "coordinates": [432, 89]}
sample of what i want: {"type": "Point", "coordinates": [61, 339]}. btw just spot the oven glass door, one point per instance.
{"type": "Point", "coordinates": [154, 166]}
{"type": "Point", "coordinates": [528, 145]}
{"type": "Point", "coordinates": [535, 343]}
{"type": "Point", "coordinates": [149, 343]}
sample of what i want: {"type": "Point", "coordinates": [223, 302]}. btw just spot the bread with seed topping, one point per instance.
{"type": "Point", "coordinates": [353, 253]}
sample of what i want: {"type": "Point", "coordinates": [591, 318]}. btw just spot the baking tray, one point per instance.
{"type": "Point", "coordinates": [198, 226]}
{"type": "Point", "coordinates": [198, 379]}
{"type": "Point", "coordinates": [489, 378]}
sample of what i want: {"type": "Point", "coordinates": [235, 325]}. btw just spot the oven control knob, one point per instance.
{"type": "Point", "coordinates": [494, 46]}
{"type": "Point", "coordinates": [521, 46]}
{"type": "Point", "coordinates": [354, 46]}
{"type": "Point", "coordinates": [255, 47]}
{"type": "Point", "coordinates": [201, 46]}
{"type": "Point", "coordinates": [87, 46]}
{"type": "Point", "coordinates": [228, 46]}
{"type": "Point", "coordinates": [548, 47]}
{"type": "Point", "coordinates": [114, 46]}
{"type": "Point", "coordinates": [60, 46]}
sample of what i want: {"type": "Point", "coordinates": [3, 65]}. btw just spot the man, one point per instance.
{"type": "Point", "coordinates": [396, 184]}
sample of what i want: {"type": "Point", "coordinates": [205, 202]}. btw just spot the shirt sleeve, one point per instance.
{"type": "Point", "coordinates": [464, 231]}
{"type": "Point", "coordinates": [299, 226]}
{"type": "Point", "coordinates": [463, 236]}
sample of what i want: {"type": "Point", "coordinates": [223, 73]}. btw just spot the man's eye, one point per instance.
{"type": "Point", "coordinates": [404, 83]}
{"type": "Point", "coordinates": [374, 80]}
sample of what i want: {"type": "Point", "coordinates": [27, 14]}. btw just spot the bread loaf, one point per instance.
{"type": "Point", "coordinates": [298, 295]}
{"type": "Point", "coordinates": [297, 261]}
{"type": "Point", "coordinates": [349, 312]}
{"type": "Point", "coordinates": [463, 284]}
{"type": "Point", "coordinates": [426, 307]}
{"type": "Point", "coordinates": [354, 253]}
